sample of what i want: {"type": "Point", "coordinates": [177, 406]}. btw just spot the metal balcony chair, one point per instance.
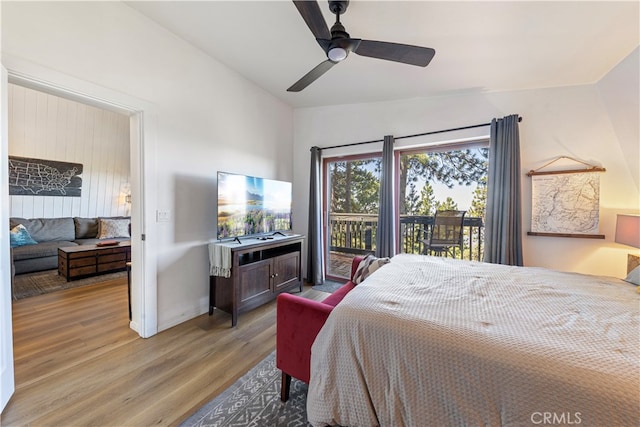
{"type": "Point", "coordinates": [446, 233]}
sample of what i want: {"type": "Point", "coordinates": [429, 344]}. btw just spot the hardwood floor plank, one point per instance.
{"type": "Point", "coordinates": [78, 363]}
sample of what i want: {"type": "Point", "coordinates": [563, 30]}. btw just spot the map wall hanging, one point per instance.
{"type": "Point", "coordinates": [566, 203]}
{"type": "Point", "coordinates": [37, 177]}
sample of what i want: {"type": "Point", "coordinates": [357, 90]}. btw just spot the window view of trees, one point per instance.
{"type": "Point", "coordinates": [428, 181]}
{"type": "Point", "coordinates": [478, 204]}
{"type": "Point", "coordinates": [353, 195]}
{"type": "Point", "coordinates": [460, 177]}
{"type": "Point", "coordinates": [452, 168]}
{"type": "Point", "coordinates": [355, 186]}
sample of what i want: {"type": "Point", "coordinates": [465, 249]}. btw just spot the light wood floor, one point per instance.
{"type": "Point", "coordinates": [77, 363]}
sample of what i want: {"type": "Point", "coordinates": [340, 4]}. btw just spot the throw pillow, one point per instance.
{"type": "Point", "coordinates": [112, 228]}
{"type": "Point", "coordinates": [19, 236]}
{"type": "Point", "coordinates": [86, 228]}
{"type": "Point", "coordinates": [634, 276]}
{"type": "Point", "coordinates": [367, 266]}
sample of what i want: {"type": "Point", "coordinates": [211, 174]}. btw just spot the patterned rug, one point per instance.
{"type": "Point", "coordinates": [329, 286]}
{"type": "Point", "coordinates": [254, 400]}
{"type": "Point", "coordinates": [44, 282]}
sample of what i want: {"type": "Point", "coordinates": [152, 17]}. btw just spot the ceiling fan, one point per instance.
{"type": "Point", "coordinates": [337, 43]}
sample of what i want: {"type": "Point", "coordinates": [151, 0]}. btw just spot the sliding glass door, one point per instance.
{"type": "Point", "coordinates": [427, 179]}
{"type": "Point", "coordinates": [352, 194]}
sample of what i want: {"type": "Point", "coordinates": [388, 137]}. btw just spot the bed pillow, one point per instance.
{"type": "Point", "coordinates": [112, 228]}
{"type": "Point", "coordinates": [367, 266]}
{"type": "Point", "coordinates": [19, 236]}
{"type": "Point", "coordinates": [634, 277]}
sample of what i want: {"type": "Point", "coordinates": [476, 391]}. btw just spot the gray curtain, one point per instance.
{"type": "Point", "coordinates": [315, 255]}
{"type": "Point", "coordinates": [503, 223]}
{"type": "Point", "coordinates": [385, 237]}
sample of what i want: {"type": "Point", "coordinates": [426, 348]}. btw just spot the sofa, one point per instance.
{"type": "Point", "coordinates": [298, 321]}
{"type": "Point", "coordinates": [49, 234]}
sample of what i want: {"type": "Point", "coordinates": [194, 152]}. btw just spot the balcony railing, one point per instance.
{"type": "Point", "coordinates": [356, 234]}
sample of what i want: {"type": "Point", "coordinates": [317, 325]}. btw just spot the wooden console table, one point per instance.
{"type": "Point", "coordinates": [75, 262]}
{"type": "Point", "coordinates": [260, 270]}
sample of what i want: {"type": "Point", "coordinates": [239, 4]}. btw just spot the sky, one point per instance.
{"type": "Point", "coordinates": [461, 194]}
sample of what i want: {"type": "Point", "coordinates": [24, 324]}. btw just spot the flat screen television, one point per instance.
{"type": "Point", "coordinates": [249, 206]}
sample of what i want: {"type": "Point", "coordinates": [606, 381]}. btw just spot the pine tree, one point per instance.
{"type": "Point", "coordinates": [427, 201]}
{"type": "Point", "coordinates": [478, 204]}
{"type": "Point", "coordinates": [355, 186]}
{"type": "Point", "coordinates": [477, 210]}
{"type": "Point", "coordinates": [411, 201]}
{"type": "Point", "coordinates": [448, 205]}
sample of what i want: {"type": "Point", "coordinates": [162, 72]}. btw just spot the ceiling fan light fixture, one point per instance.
{"type": "Point", "coordinates": [337, 43]}
{"type": "Point", "coordinates": [337, 54]}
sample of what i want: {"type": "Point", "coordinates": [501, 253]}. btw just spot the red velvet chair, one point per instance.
{"type": "Point", "coordinates": [298, 322]}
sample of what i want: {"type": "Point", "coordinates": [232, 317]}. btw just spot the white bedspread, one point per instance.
{"type": "Point", "coordinates": [427, 341]}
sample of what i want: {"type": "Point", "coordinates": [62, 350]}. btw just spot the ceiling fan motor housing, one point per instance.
{"type": "Point", "coordinates": [338, 31]}
{"type": "Point", "coordinates": [338, 7]}
{"type": "Point", "coordinates": [340, 45]}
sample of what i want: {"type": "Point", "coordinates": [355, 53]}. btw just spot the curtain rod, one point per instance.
{"type": "Point", "coordinates": [411, 136]}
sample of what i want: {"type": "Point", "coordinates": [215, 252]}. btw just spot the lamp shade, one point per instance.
{"type": "Point", "coordinates": [628, 230]}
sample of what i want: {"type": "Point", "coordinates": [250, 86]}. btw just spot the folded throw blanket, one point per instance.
{"type": "Point", "coordinates": [219, 260]}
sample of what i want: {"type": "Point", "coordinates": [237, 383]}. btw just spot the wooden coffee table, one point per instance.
{"type": "Point", "coordinates": [75, 262]}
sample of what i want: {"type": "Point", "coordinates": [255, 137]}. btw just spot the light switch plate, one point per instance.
{"type": "Point", "coordinates": [163, 216]}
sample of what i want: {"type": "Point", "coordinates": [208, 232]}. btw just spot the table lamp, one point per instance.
{"type": "Point", "coordinates": [628, 233]}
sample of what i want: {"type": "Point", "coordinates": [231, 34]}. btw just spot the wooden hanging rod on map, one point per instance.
{"type": "Point", "coordinates": [593, 169]}
{"type": "Point", "coordinates": [590, 168]}
{"type": "Point", "coordinates": [581, 236]}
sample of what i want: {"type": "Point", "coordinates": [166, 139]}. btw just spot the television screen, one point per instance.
{"type": "Point", "coordinates": [248, 205]}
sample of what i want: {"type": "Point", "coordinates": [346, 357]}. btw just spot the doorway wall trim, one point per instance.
{"type": "Point", "coordinates": [143, 129]}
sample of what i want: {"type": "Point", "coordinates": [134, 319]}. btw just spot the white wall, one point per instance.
{"type": "Point", "coordinates": [619, 91]}
{"type": "Point", "coordinates": [208, 118]}
{"type": "Point", "coordinates": [45, 126]}
{"type": "Point", "coordinates": [565, 121]}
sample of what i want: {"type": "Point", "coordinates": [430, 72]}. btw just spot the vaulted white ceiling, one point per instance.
{"type": "Point", "coordinates": [480, 46]}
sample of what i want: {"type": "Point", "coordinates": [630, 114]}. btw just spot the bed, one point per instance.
{"type": "Point", "coordinates": [428, 341]}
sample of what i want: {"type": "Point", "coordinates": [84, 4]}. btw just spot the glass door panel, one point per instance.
{"type": "Point", "coordinates": [442, 178]}
{"type": "Point", "coordinates": [352, 195]}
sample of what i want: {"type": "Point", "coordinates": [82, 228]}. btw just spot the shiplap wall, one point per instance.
{"type": "Point", "coordinates": [45, 126]}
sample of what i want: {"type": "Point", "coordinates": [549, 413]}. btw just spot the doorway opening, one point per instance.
{"type": "Point", "coordinates": [143, 284]}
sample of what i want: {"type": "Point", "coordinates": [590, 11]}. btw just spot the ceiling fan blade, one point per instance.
{"type": "Point", "coordinates": [312, 15]}
{"type": "Point", "coordinates": [311, 76]}
{"type": "Point", "coordinates": [407, 54]}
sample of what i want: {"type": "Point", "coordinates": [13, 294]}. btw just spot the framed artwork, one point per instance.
{"type": "Point", "coordinates": [38, 177]}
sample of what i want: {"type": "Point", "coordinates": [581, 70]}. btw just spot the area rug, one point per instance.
{"type": "Point", "coordinates": [44, 282]}
{"type": "Point", "coordinates": [328, 286]}
{"type": "Point", "coordinates": [254, 400]}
